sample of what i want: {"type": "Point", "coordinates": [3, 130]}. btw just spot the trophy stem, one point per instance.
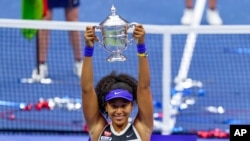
{"type": "Point", "coordinates": [116, 57]}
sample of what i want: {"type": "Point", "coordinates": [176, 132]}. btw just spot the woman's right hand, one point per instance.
{"type": "Point", "coordinates": [90, 36]}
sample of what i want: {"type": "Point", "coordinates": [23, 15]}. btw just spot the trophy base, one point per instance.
{"type": "Point", "coordinates": [114, 58]}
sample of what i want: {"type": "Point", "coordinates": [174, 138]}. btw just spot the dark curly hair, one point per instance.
{"type": "Point", "coordinates": [114, 81]}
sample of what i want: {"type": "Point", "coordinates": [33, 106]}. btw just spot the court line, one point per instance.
{"type": "Point", "coordinates": [185, 62]}
{"type": "Point", "coordinates": [191, 40]}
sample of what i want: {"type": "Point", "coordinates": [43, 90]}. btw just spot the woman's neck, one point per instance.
{"type": "Point", "coordinates": [119, 128]}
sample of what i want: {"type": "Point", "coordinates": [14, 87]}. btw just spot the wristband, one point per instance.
{"type": "Point", "coordinates": [88, 51]}
{"type": "Point", "coordinates": [141, 48]}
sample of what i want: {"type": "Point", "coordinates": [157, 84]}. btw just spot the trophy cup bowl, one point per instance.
{"type": "Point", "coordinates": [114, 35]}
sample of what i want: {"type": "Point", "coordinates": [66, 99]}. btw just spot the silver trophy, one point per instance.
{"type": "Point", "coordinates": [114, 35]}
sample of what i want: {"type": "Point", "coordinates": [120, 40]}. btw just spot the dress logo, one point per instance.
{"type": "Point", "coordinates": [107, 133]}
{"type": "Point", "coordinates": [129, 135]}
{"type": "Point", "coordinates": [105, 138]}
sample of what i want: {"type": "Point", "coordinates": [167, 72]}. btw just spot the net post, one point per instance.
{"type": "Point", "coordinates": [168, 122]}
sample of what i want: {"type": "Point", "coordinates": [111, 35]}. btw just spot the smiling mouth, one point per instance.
{"type": "Point", "coordinates": [118, 117]}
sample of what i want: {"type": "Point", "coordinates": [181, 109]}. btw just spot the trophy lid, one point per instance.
{"type": "Point", "coordinates": [114, 19]}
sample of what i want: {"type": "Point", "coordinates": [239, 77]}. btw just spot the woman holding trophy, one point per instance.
{"type": "Point", "coordinates": [114, 96]}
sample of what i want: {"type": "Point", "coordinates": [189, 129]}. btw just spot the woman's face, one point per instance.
{"type": "Point", "coordinates": [119, 111]}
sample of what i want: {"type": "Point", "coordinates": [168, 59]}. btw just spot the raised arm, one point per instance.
{"type": "Point", "coordinates": [91, 112]}
{"type": "Point", "coordinates": [144, 96]}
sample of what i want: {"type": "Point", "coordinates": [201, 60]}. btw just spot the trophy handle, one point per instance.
{"type": "Point", "coordinates": [99, 41]}
{"type": "Point", "coordinates": [131, 25]}
{"type": "Point", "coordinates": [97, 27]}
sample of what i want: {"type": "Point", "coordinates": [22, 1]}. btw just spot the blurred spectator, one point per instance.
{"type": "Point", "coordinates": [71, 14]}
{"type": "Point", "coordinates": [212, 14]}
